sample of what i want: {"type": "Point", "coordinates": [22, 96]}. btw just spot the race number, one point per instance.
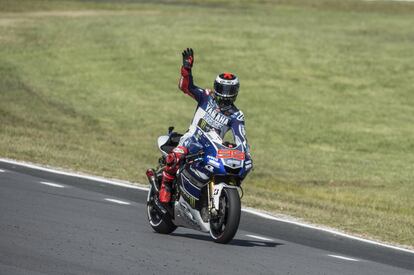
{"type": "Point", "coordinates": [230, 154]}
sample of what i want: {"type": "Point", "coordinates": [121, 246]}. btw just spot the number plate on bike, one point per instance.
{"type": "Point", "coordinates": [230, 154]}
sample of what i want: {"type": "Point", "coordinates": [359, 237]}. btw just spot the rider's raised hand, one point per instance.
{"type": "Point", "coordinates": [188, 58]}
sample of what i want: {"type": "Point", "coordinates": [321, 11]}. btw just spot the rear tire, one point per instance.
{"type": "Point", "coordinates": [223, 229]}
{"type": "Point", "coordinates": [161, 223]}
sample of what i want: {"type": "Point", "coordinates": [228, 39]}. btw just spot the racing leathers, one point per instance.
{"type": "Point", "coordinates": [208, 116]}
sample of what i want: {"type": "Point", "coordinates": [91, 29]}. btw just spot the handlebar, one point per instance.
{"type": "Point", "coordinates": [194, 156]}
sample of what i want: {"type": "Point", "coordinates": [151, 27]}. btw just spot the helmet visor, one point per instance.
{"type": "Point", "coordinates": [226, 90]}
{"type": "Point", "coordinates": [224, 101]}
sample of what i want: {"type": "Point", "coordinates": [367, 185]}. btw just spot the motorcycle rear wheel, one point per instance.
{"type": "Point", "coordinates": [224, 228]}
{"type": "Point", "coordinates": [161, 223]}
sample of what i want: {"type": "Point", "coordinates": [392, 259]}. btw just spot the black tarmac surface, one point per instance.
{"type": "Point", "coordinates": [72, 229]}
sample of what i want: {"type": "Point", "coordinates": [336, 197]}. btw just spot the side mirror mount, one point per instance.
{"type": "Point", "coordinates": [170, 129]}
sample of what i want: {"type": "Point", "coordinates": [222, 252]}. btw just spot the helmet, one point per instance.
{"type": "Point", "coordinates": [226, 88]}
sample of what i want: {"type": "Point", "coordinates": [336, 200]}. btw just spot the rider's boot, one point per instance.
{"type": "Point", "coordinates": [165, 191]}
{"type": "Point", "coordinates": [172, 160]}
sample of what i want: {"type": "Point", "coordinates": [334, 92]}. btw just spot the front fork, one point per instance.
{"type": "Point", "coordinates": [211, 209]}
{"type": "Point", "coordinates": [215, 191]}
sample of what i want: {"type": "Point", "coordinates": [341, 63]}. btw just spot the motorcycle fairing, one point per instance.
{"type": "Point", "coordinates": [211, 144]}
{"type": "Point", "coordinates": [186, 216]}
{"type": "Point", "coordinates": [189, 188]}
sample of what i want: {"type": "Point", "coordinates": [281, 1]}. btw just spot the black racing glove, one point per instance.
{"type": "Point", "coordinates": [188, 58]}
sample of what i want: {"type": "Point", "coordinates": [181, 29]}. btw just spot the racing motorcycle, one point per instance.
{"type": "Point", "coordinates": [206, 193]}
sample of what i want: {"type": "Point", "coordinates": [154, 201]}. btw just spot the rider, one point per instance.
{"type": "Point", "coordinates": [215, 110]}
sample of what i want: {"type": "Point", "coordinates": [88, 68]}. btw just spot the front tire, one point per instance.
{"type": "Point", "coordinates": [161, 223]}
{"type": "Point", "coordinates": [224, 227]}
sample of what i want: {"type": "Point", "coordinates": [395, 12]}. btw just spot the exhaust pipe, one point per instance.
{"type": "Point", "coordinates": [151, 178]}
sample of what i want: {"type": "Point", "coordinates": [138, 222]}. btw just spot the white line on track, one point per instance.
{"type": "Point", "coordinates": [52, 184]}
{"type": "Point", "coordinates": [118, 201]}
{"type": "Point", "coordinates": [2, 171]}
{"type": "Point", "coordinates": [247, 210]}
{"type": "Point", "coordinates": [344, 258]}
{"type": "Point", "coordinates": [270, 217]}
{"type": "Point", "coordinates": [259, 237]}
{"type": "Point", "coordinates": [89, 177]}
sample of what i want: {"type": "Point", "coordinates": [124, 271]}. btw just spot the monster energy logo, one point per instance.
{"type": "Point", "coordinates": [186, 192]}
{"type": "Point", "coordinates": [192, 201]}
{"type": "Point", "coordinates": [188, 197]}
{"type": "Point", "coordinates": [204, 125]}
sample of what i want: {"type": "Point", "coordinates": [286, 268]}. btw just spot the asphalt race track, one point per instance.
{"type": "Point", "coordinates": [57, 224]}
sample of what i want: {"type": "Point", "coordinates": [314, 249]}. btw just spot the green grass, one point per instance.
{"type": "Point", "coordinates": [326, 88]}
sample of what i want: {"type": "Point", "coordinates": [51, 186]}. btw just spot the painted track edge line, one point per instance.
{"type": "Point", "coordinates": [73, 174]}
{"type": "Point", "coordinates": [343, 258]}
{"type": "Point", "coordinates": [259, 237]}
{"type": "Point", "coordinates": [117, 201]}
{"type": "Point", "coordinates": [332, 231]}
{"type": "Point", "coordinates": [247, 210]}
{"type": "Point", "coordinates": [52, 184]}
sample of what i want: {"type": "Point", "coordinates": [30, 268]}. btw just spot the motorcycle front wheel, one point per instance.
{"type": "Point", "coordinates": [225, 225]}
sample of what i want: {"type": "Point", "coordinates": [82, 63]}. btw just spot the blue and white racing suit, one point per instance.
{"type": "Point", "coordinates": [208, 116]}
{"type": "Point", "coordinates": [209, 113]}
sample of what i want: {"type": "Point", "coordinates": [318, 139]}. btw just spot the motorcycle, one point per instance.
{"type": "Point", "coordinates": [207, 191]}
